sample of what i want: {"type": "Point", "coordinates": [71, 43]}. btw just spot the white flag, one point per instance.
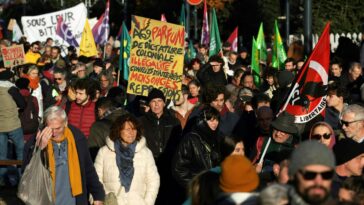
{"type": "Point", "coordinates": [17, 33]}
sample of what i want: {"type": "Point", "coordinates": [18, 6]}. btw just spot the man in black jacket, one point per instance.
{"type": "Point", "coordinates": [162, 132]}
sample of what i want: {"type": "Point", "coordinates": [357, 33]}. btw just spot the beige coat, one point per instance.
{"type": "Point", "coordinates": [145, 184]}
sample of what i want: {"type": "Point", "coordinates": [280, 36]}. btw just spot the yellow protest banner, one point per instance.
{"type": "Point", "coordinates": [156, 57]}
{"type": "Point", "coordinates": [13, 56]}
{"type": "Point", "coordinates": [87, 45]}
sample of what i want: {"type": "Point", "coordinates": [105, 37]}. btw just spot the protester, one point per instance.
{"type": "Point", "coordinates": [107, 81]}
{"type": "Point", "coordinates": [354, 85]}
{"type": "Point", "coordinates": [194, 87]}
{"type": "Point", "coordinates": [281, 140]}
{"type": "Point", "coordinates": [349, 162]}
{"type": "Point", "coordinates": [72, 172]}
{"type": "Point", "coordinates": [35, 86]}
{"type": "Point", "coordinates": [10, 125]}
{"type": "Point", "coordinates": [238, 180]}
{"type": "Point", "coordinates": [108, 111]}
{"type": "Point", "coordinates": [125, 166]}
{"type": "Point", "coordinates": [352, 122]}
{"type": "Point", "coordinates": [162, 134]}
{"type": "Point", "coordinates": [33, 54]}
{"type": "Point", "coordinates": [323, 132]}
{"type": "Point", "coordinates": [275, 194]}
{"type": "Point", "coordinates": [183, 108]}
{"type": "Point", "coordinates": [212, 72]}
{"type": "Point", "coordinates": [81, 112]}
{"type": "Point", "coordinates": [336, 103]}
{"type": "Point", "coordinates": [198, 151]}
{"type": "Point", "coordinates": [312, 174]}
{"type": "Point", "coordinates": [352, 191]}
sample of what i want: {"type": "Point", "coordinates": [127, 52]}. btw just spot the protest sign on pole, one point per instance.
{"type": "Point", "coordinates": [41, 27]}
{"type": "Point", "coordinates": [156, 57]}
{"type": "Point", "coordinates": [13, 56]}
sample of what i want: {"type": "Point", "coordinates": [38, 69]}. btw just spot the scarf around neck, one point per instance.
{"type": "Point", "coordinates": [124, 161]}
{"type": "Point", "coordinates": [73, 163]}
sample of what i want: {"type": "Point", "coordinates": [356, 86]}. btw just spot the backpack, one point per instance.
{"type": "Point", "coordinates": [29, 117]}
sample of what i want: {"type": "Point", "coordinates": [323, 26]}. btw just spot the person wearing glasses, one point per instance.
{"type": "Point", "coordinates": [349, 162]}
{"type": "Point", "coordinates": [352, 122]}
{"type": "Point", "coordinates": [311, 170]}
{"type": "Point", "coordinates": [324, 133]}
{"type": "Point", "coordinates": [33, 54]}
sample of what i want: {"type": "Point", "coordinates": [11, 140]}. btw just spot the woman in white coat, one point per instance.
{"type": "Point", "coordinates": [126, 166]}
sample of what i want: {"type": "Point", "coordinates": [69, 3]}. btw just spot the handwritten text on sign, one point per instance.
{"type": "Point", "coordinates": [156, 57]}
{"type": "Point", "coordinates": [13, 56]}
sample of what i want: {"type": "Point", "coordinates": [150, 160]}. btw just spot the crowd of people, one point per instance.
{"type": "Point", "coordinates": [219, 143]}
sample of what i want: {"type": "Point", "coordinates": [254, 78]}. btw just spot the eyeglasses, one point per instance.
{"type": "Point", "coordinates": [57, 78]}
{"type": "Point", "coordinates": [310, 175]}
{"type": "Point", "coordinates": [346, 123]}
{"type": "Point", "coordinates": [36, 48]}
{"type": "Point", "coordinates": [326, 136]}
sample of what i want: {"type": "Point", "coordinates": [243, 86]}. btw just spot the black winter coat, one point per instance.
{"type": "Point", "coordinates": [198, 151]}
{"type": "Point", "coordinates": [207, 75]}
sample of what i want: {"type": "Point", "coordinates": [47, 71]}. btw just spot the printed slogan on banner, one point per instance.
{"type": "Point", "coordinates": [13, 56]}
{"type": "Point", "coordinates": [156, 57]}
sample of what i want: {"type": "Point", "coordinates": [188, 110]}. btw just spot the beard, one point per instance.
{"type": "Point", "coordinates": [315, 199]}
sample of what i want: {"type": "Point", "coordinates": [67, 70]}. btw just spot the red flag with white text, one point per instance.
{"type": "Point", "coordinates": [307, 98]}
{"type": "Point", "coordinates": [233, 40]}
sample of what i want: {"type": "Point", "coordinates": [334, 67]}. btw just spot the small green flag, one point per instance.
{"type": "Point", "coordinates": [278, 53]}
{"type": "Point", "coordinates": [191, 53]}
{"type": "Point", "coordinates": [262, 47]}
{"type": "Point", "coordinates": [125, 42]}
{"type": "Point", "coordinates": [255, 63]}
{"type": "Point", "coordinates": [215, 41]}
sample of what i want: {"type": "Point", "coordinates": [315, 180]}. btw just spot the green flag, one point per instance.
{"type": "Point", "coordinates": [262, 47]}
{"type": "Point", "coordinates": [182, 19]}
{"type": "Point", "coordinates": [278, 54]}
{"type": "Point", "coordinates": [191, 53]}
{"type": "Point", "coordinates": [125, 41]}
{"type": "Point", "coordinates": [255, 63]}
{"type": "Point", "coordinates": [215, 41]}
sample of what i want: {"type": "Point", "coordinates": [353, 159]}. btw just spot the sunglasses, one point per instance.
{"type": "Point", "coordinates": [346, 123]}
{"type": "Point", "coordinates": [57, 78]}
{"type": "Point", "coordinates": [326, 136]}
{"type": "Point", "coordinates": [310, 175]}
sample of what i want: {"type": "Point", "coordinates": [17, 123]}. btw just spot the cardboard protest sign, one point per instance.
{"type": "Point", "coordinates": [156, 57]}
{"type": "Point", "coordinates": [13, 56]}
{"type": "Point", "coordinates": [41, 27]}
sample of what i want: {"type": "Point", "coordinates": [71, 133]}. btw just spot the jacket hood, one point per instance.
{"type": "Point", "coordinates": [140, 144]}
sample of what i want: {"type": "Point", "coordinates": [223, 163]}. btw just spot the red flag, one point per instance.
{"type": "Point", "coordinates": [163, 18]}
{"type": "Point", "coordinates": [233, 40]}
{"type": "Point", "coordinates": [307, 97]}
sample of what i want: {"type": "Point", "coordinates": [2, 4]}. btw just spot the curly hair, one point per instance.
{"type": "Point", "coordinates": [212, 91]}
{"type": "Point", "coordinates": [119, 125]}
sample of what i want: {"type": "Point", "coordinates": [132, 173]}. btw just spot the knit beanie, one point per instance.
{"type": "Point", "coordinates": [310, 153]}
{"type": "Point", "coordinates": [346, 150]}
{"type": "Point", "coordinates": [156, 93]}
{"type": "Point", "coordinates": [238, 175]}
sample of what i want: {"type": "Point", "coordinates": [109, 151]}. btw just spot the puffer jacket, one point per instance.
{"type": "Point", "coordinates": [145, 183]}
{"type": "Point", "coordinates": [82, 117]}
{"type": "Point", "coordinates": [198, 151]}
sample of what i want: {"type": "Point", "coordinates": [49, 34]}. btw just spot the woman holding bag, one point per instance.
{"type": "Point", "coordinates": [126, 166]}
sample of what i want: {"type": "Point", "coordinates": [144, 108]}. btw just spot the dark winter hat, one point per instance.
{"type": "Point", "coordinates": [346, 150]}
{"type": "Point", "coordinates": [6, 75]}
{"type": "Point", "coordinates": [285, 78]}
{"type": "Point", "coordinates": [98, 62]}
{"type": "Point", "coordinates": [22, 83]}
{"type": "Point", "coordinates": [285, 123]}
{"type": "Point", "coordinates": [156, 93]}
{"type": "Point", "coordinates": [310, 153]}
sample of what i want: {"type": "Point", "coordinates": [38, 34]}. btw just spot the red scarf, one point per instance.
{"type": "Point", "coordinates": [34, 83]}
